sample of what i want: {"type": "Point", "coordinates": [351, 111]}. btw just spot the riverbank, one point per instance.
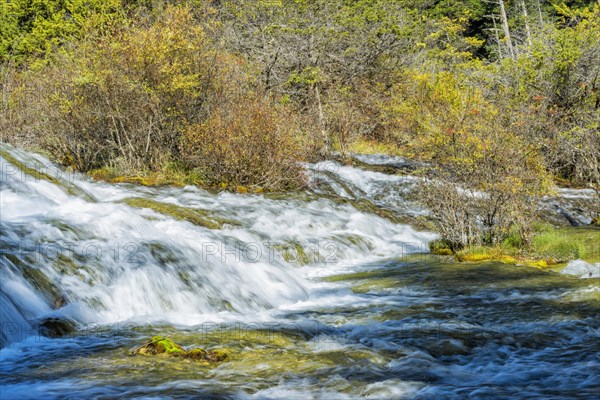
{"type": "Point", "coordinates": [550, 247]}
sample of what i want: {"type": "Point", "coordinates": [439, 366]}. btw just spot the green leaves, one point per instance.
{"type": "Point", "coordinates": [35, 28]}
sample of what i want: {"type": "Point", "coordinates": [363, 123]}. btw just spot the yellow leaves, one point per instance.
{"type": "Point", "coordinates": [244, 144]}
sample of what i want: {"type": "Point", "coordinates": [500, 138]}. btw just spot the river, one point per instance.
{"type": "Point", "coordinates": [312, 294]}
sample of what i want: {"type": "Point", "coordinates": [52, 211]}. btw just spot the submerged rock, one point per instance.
{"type": "Point", "coordinates": [582, 269]}
{"type": "Point", "coordinates": [56, 327]}
{"type": "Point", "coordinates": [163, 345]}
{"type": "Point", "coordinates": [195, 216]}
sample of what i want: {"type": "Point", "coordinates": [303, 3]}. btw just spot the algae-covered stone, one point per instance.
{"type": "Point", "coordinates": [196, 354]}
{"type": "Point", "coordinates": [163, 345]}
{"type": "Point", "coordinates": [216, 356]}
{"type": "Point", "coordinates": [159, 345]}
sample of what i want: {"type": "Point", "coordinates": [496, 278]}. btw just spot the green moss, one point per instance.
{"type": "Point", "coordinates": [377, 285]}
{"type": "Point", "coordinates": [171, 174]}
{"type": "Point", "coordinates": [42, 283]}
{"type": "Point", "coordinates": [549, 246]}
{"type": "Point", "coordinates": [65, 264]}
{"type": "Point", "coordinates": [215, 356]}
{"type": "Point", "coordinates": [441, 247]}
{"type": "Point", "coordinates": [163, 345]}
{"type": "Point", "coordinates": [192, 215]}
{"type": "Point", "coordinates": [196, 354]}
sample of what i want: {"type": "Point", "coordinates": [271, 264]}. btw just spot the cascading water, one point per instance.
{"type": "Point", "coordinates": [350, 305]}
{"type": "Point", "coordinates": [111, 262]}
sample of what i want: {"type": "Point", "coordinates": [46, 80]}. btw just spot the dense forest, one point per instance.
{"type": "Point", "coordinates": [498, 97]}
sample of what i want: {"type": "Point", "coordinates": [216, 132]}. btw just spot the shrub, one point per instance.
{"type": "Point", "coordinates": [122, 99]}
{"type": "Point", "coordinates": [486, 180]}
{"type": "Point", "coordinates": [441, 247]}
{"type": "Point", "coordinates": [247, 143]}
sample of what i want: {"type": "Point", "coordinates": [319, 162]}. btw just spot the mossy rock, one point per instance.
{"type": "Point", "coordinates": [43, 284]}
{"type": "Point", "coordinates": [212, 356]}
{"type": "Point", "coordinates": [293, 252]}
{"type": "Point", "coordinates": [192, 215]}
{"type": "Point", "coordinates": [160, 345]}
{"type": "Point", "coordinates": [197, 354]}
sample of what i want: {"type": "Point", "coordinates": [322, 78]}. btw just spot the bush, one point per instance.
{"type": "Point", "coordinates": [122, 99]}
{"type": "Point", "coordinates": [247, 143]}
{"type": "Point", "coordinates": [442, 247]}
{"type": "Point", "coordinates": [486, 180]}
{"type": "Point", "coordinates": [158, 92]}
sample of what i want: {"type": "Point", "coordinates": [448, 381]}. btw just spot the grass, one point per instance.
{"type": "Point", "coordinates": [170, 175]}
{"type": "Point", "coordinates": [549, 246]}
{"type": "Point", "coordinates": [567, 243]}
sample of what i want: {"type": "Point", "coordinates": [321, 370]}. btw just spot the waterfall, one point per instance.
{"type": "Point", "coordinates": [103, 253]}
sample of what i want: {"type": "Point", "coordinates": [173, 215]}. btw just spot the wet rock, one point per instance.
{"type": "Point", "coordinates": [212, 356]}
{"type": "Point", "coordinates": [56, 327]}
{"type": "Point", "coordinates": [162, 345]}
{"type": "Point", "coordinates": [574, 207]}
{"type": "Point", "coordinates": [159, 345]}
{"type": "Point", "coordinates": [582, 269]}
{"type": "Point", "coordinates": [193, 215]}
{"type": "Point", "coordinates": [447, 348]}
{"type": "Point", "coordinates": [386, 163]}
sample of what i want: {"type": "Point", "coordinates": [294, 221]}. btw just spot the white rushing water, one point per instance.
{"type": "Point", "coordinates": [110, 262]}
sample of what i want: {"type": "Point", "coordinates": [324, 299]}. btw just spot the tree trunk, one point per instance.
{"type": "Point", "coordinates": [322, 122]}
{"type": "Point", "coordinates": [539, 7]}
{"type": "Point", "coordinates": [526, 19]}
{"type": "Point", "coordinates": [505, 28]}
{"type": "Point", "coordinates": [497, 37]}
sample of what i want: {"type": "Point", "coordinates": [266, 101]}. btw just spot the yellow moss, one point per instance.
{"type": "Point", "coordinates": [536, 263]}
{"type": "Point", "coordinates": [440, 248]}
{"type": "Point", "coordinates": [507, 259]}
{"type": "Point", "coordinates": [474, 255]}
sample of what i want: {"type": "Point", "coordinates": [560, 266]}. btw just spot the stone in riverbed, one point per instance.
{"type": "Point", "coordinates": [582, 269]}
{"type": "Point", "coordinates": [56, 327]}
{"type": "Point", "coordinates": [163, 345]}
